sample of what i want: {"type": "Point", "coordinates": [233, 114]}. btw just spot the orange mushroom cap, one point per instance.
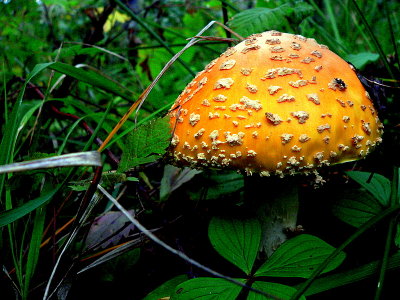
{"type": "Point", "coordinates": [275, 103]}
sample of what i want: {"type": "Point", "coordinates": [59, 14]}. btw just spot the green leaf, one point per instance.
{"type": "Point", "coordinates": [34, 248]}
{"type": "Point", "coordinates": [26, 112]}
{"type": "Point", "coordinates": [355, 207]}
{"type": "Point", "coordinates": [236, 240]}
{"type": "Point", "coordinates": [298, 257]}
{"type": "Point", "coordinates": [13, 126]}
{"type": "Point", "coordinates": [146, 144]}
{"type": "Point", "coordinates": [363, 272]}
{"type": "Point", "coordinates": [206, 288]}
{"type": "Point", "coordinates": [76, 50]}
{"type": "Point", "coordinates": [11, 215]}
{"type": "Point", "coordinates": [277, 290]}
{"type": "Point", "coordinates": [260, 19]}
{"type": "Point", "coordinates": [93, 78]}
{"type": "Point", "coordinates": [359, 60]}
{"type": "Point", "coordinates": [166, 289]}
{"type": "Point", "coordinates": [397, 236]}
{"type": "Point", "coordinates": [219, 184]}
{"type": "Point", "coordinates": [379, 186]}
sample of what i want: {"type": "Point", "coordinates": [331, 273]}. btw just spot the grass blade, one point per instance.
{"type": "Point", "coordinates": [390, 234]}
{"type": "Point", "coordinates": [10, 133]}
{"type": "Point", "coordinates": [82, 158]}
{"type": "Point", "coordinates": [93, 78]}
{"type": "Point", "coordinates": [34, 247]}
{"type": "Point", "coordinates": [372, 35]}
{"type": "Point", "coordinates": [90, 158]}
{"type": "Point", "coordinates": [14, 214]}
{"type": "Point", "coordinates": [347, 277]}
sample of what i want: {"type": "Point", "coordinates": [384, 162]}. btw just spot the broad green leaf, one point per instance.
{"type": "Point", "coordinates": [145, 144]}
{"type": "Point", "coordinates": [206, 288]}
{"type": "Point", "coordinates": [355, 207]}
{"type": "Point", "coordinates": [359, 60]}
{"type": "Point", "coordinates": [236, 240]}
{"type": "Point", "coordinates": [219, 184]}
{"type": "Point", "coordinates": [166, 289]}
{"type": "Point", "coordinates": [260, 19]}
{"type": "Point", "coordinates": [280, 291]}
{"type": "Point", "coordinates": [93, 78]}
{"type": "Point", "coordinates": [379, 186]}
{"type": "Point", "coordinates": [11, 215]}
{"type": "Point", "coordinates": [299, 257]}
{"type": "Point", "coordinates": [224, 183]}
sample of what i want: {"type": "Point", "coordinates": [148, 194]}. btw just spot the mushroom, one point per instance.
{"type": "Point", "coordinates": [276, 103]}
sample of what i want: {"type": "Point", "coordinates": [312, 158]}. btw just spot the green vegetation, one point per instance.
{"type": "Point", "coordinates": [114, 219]}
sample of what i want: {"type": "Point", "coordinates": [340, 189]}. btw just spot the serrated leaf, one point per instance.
{"type": "Point", "coordinates": [166, 289]}
{"type": "Point", "coordinates": [173, 178]}
{"type": "Point", "coordinates": [280, 291]}
{"type": "Point", "coordinates": [206, 288]}
{"type": "Point", "coordinates": [356, 207]}
{"type": "Point", "coordinates": [145, 144]}
{"type": "Point", "coordinates": [359, 60]}
{"type": "Point", "coordinates": [260, 19]}
{"type": "Point", "coordinates": [379, 186]}
{"type": "Point", "coordinates": [299, 257]}
{"type": "Point", "coordinates": [236, 240]}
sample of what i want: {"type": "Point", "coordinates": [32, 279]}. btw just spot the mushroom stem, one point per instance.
{"type": "Point", "coordinates": [277, 210]}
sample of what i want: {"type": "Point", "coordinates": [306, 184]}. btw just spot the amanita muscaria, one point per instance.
{"type": "Point", "coordinates": [276, 103]}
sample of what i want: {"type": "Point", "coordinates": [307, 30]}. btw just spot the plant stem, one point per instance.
{"type": "Point", "coordinates": [390, 234]}
{"type": "Point", "coordinates": [277, 205]}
